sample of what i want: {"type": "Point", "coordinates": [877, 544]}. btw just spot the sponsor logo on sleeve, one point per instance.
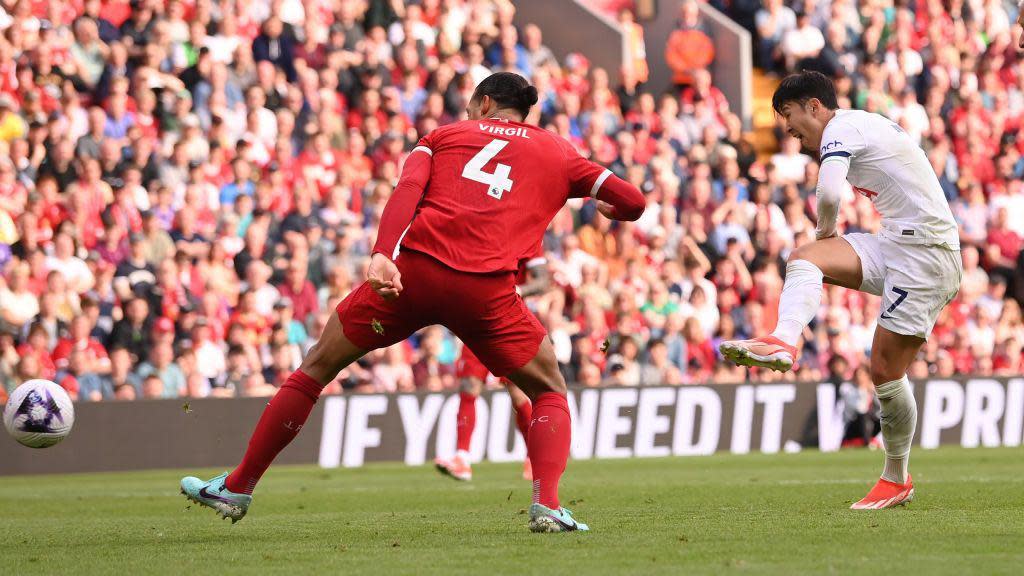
{"type": "Point", "coordinates": [831, 146]}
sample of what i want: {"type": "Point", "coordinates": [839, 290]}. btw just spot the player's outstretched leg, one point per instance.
{"type": "Point", "coordinates": [524, 414]}
{"type": "Point", "coordinates": [548, 439]}
{"type": "Point", "coordinates": [459, 466]}
{"type": "Point", "coordinates": [832, 260]}
{"type": "Point", "coordinates": [283, 418]}
{"type": "Point", "coordinates": [891, 355]}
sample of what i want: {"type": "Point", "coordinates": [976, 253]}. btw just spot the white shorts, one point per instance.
{"type": "Point", "coordinates": [915, 281]}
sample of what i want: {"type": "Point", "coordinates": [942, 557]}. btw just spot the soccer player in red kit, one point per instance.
{"type": "Point", "coordinates": [531, 278]}
{"type": "Point", "coordinates": [474, 196]}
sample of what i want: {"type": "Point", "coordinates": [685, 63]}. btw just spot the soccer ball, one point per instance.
{"type": "Point", "coordinates": [39, 414]}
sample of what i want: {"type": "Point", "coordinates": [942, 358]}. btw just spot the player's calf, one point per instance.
{"type": "Point", "coordinates": [550, 432]}
{"type": "Point", "coordinates": [898, 414]}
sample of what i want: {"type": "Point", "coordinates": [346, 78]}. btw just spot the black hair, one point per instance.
{"type": "Point", "coordinates": [508, 90]}
{"type": "Point", "coordinates": [803, 86]}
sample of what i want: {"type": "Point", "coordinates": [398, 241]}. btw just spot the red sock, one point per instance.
{"type": "Point", "coordinates": [548, 446]}
{"type": "Point", "coordinates": [281, 421]}
{"type": "Point", "coordinates": [466, 422]}
{"type": "Point", "coordinates": [524, 413]}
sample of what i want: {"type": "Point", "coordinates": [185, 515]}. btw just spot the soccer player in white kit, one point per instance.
{"type": "Point", "coordinates": [913, 262]}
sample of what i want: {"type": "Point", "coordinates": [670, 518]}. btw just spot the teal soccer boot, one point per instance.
{"type": "Point", "coordinates": [214, 494]}
{"type": "Point", "coordinates": [544, 519]}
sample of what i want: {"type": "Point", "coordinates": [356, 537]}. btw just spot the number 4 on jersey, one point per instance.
{"type": "Point", "coordinates": [497, 182]}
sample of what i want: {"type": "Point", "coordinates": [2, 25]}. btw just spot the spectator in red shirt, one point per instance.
{"type": "Point", "coordinates": [169, 295]}
{"type": "Point", "coordinates": [124, 212]}
{"type": "Point", "coordinates": [700, 356]}
{"type": "Point", "coordinates": [703, 90]}
{"type": "Point", "coordinates": [255, 327]}
{"type": "Point", "coordinates": [1004, 244]}
{"type": "Point", "coordinates": [38, 347]}
{"type": "Point", "coordinates": [95, 359]}
{"type": "Point", "coordinates": [300, 291]}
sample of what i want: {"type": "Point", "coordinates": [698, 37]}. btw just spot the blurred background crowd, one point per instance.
{"type": "Point", "coordinates": [189, 187]}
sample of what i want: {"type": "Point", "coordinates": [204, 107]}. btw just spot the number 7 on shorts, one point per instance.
{"type": "Point", "coordinates": [902, 296]}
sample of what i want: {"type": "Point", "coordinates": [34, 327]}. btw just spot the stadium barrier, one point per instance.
{"type": "Point", "coordinates": [608, 423]}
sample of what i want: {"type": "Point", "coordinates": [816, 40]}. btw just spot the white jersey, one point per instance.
{"type": "Point", "coordinates": [894, 173]}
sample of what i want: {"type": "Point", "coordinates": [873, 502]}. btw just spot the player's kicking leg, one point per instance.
{"type": "Point", "coordinates": [891, 355]}
{"type": "Point", "coordinates": [548, 439]}
{"type": "Point", "coordinates": [286, 413]}
{"type": "Point", "coordinates": [831, 260]}
{"type": "Point", "coordinates": [915, 285]}
{"type": "Point", "coordinates": [373, 317]}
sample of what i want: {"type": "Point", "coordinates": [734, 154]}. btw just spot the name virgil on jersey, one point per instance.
{"type": "Point", "coordinates": [504, 130]}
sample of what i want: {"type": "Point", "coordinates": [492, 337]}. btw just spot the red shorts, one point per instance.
{"type": "Point", "coordinates": [469, 366]}
{"type": "Point", "coordinates": [483, 310]}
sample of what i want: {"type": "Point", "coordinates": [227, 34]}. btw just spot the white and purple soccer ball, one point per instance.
{"type": "Point", "coordinates": [39, 414]}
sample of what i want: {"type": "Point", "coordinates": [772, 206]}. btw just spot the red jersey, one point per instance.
{"type": "Point", "coordinates": [93, 349]}
{"type": "Point", "coordinates": [47, 368]}
{"type": "Point", "coordinates": [494, 187]}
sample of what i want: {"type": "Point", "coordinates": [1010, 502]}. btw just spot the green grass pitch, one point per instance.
{"type": "Point", "coordinates": [778, 514]}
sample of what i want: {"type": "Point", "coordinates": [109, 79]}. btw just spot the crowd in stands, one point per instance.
{"type": "Point", "coordinates": [189, 187]}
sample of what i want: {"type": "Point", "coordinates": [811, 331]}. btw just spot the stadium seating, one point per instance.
{"type": "Point", "coordinates": [187, 189]}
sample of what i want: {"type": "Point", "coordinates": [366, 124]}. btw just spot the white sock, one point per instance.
{"type": "Point", "coordinates": [899, 420]}
{"type": "Point", "coordinates": [801, 297]}
{"type": "Point", "coordinates": [463, 454]}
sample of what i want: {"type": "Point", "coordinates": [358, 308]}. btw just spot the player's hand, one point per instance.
{"type": "Point", "coordinates": [384, 277]}
{"type": "Point", "coordinates": [606, 209]}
